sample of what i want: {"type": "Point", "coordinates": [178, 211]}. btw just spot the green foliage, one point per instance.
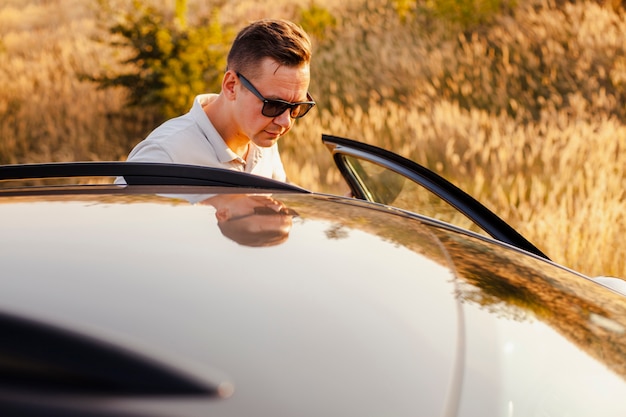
{"type": "Point", "coordinates": [316, 20]}
{"type": "Point", "coordinates": [181, 12]}
{"type": "Point", "coordinates": [467, 13]}
{"type": "Point", "coordinates": [404, 8]}
{"type": "Point", "coordinates": [170, 60]}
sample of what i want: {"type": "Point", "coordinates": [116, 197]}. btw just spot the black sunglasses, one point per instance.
{"type": "Point", "coordinates": [274, 108]}
{"type": "Point", "coordinates": [266, 211]}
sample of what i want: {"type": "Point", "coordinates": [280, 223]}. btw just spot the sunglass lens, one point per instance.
{"type": "Point", "coordinates": [274, 108]}
{"type": "Point", "coordinates": [300, 110]}
{"type": "Point", "coordinates": [268, 211]}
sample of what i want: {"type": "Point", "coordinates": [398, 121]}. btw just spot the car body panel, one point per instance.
{"type": "Point", "coordinates": [195, 296]}
{"type": "Point", "coordinates": [363, 310]}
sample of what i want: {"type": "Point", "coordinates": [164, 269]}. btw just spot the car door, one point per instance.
{"type": "Point", "coordinates": [377, 175]}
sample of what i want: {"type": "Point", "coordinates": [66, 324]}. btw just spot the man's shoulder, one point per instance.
{"type": "Point", "coordinates": [187, 126]}
{"type": "Point", "coordinates": [181, 126]}
{"type": "Point", "coordinates": [173, 141]}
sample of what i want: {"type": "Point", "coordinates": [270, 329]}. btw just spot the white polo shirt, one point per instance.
{"type": "Point", "coordinates": [192, 139]}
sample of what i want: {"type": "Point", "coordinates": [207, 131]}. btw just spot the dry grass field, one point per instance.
{"type": "Point", "coordinates": [528, 115]}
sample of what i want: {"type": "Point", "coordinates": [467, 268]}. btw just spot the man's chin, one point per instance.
{"type": "Point", "coordinates": [267, 141]}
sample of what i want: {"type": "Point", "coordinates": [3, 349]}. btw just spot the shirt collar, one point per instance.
{"type": "Point", "coordinates": [223, 152]}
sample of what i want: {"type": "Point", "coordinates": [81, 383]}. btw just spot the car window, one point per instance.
{"type": "Point", "coordinates": [381, 176]}
{"type": "Point", "coordinates": [385, 186]}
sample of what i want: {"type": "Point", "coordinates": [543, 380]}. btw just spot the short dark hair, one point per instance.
{"type": "Point", "coordinates": [281, 40]}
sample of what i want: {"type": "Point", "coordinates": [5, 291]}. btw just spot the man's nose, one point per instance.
{"type": "Point", "coordinates": [284, 119]}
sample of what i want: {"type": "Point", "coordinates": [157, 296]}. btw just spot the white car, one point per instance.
{"type": "Point", "coordinates": [201, 292]}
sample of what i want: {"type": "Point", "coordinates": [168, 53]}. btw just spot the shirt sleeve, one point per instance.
{"type": "Point", "coordinates": [149, 152]}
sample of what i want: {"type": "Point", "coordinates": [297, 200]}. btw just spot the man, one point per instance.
{"type": "Point", "coordinates": [264, 89]}
{"type": "Point", "coordinates": [252, 220]}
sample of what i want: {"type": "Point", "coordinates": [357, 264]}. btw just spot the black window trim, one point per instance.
{"type": "Point", "coordinates": [459, 199]}
{"type": "Point", "coordinates": [145, 173]}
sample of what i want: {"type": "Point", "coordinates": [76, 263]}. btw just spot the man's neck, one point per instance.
{"type": "Point", "coordinates": [216, 111]}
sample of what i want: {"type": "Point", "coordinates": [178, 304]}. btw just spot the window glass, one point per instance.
{"type": "Point", "coordinates": [385, 186]}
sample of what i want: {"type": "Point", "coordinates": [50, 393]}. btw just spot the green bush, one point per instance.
{"type": "Point", "coordinates": [170, 61]}
{"type": "Point", "coordinates": [467, 13]}
{"type": "Point", "coordinates": [316, 21]}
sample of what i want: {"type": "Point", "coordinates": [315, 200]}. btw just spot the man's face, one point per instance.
{"type": "Point", "coordinates": [274, 82]}
{"type": "Point", "coordinates": [255, 220]}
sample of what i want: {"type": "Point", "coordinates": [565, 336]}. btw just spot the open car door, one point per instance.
{"type": "Point", "coordinates": [377, 175]}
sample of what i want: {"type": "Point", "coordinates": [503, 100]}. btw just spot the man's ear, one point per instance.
{"type": "Point", "coordinates": [222, 214]}
{"type": "Point", "coordinates": [229, 82]}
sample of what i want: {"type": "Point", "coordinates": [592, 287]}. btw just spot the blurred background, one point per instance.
{"type": "Point", "coordinates": [520, 103]}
